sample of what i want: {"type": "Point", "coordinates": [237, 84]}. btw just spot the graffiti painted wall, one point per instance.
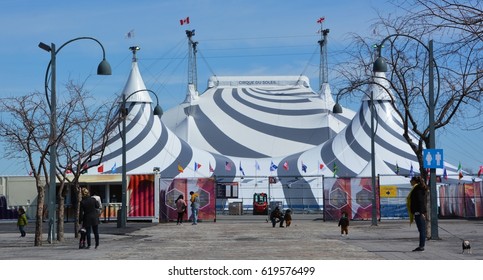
{"type": "Point", "coordinates": [171, 189]}
{"type": "Point", "coordinates": [461, 200]}
{"type": "Point", "coordinates": [353, 196]}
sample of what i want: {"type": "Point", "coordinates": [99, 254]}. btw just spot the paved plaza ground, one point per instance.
{"type": "Point", "coordinates": [250, 237]}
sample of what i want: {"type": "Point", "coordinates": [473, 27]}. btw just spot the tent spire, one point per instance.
{"type": "Point", "coordinates": [135, 82]}
{"type": "Point", "coordinates": [134, 50]}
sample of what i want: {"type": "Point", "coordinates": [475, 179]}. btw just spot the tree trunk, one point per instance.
{"type": "Point", "coordinates": [60, 218]}
{"type": "Point", "coordinates": [77, 208]}
{"type": "Point", "coordinates": [428, 215]}
{"type": "Point", "coordinates": [39, 216]}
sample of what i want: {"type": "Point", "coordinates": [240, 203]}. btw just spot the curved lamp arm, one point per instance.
{"type": "Point", "coordinates": [379, 64]}
{"type": "Point", "coordinates": [104, 67]}
{"type": "Point", "coordinates": [158, 111]}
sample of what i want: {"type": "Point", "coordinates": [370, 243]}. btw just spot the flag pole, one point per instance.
{"type": "Point", "coordinates": [256, 172]}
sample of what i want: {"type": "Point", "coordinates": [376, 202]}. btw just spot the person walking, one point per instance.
{"type": "Point", "coordinates": [344, 224]}
{"type": "Point", "coordinates": [416, 203]}
{"type": "Point", "coordinates": [22, 221]}
{"type": "Point", "coordinates": [180, 208]}
{"type": "Point", "coordinates": [195, 206]}
{"type": "Point", "coordinates": [89, 217]}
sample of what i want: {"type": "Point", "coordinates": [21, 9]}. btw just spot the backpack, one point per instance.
{"type": "Point", "coordinates": [98, 209]}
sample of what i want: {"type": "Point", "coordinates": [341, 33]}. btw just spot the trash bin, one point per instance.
{"type": "Point", "coordinates": [235, 208]}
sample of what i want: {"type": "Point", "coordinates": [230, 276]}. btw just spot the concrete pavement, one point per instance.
{"type": "Point", "coordinates": [250, 237]}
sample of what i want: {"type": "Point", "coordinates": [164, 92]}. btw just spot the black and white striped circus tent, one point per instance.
{"type": "Point", "coordinates": [259, 127]}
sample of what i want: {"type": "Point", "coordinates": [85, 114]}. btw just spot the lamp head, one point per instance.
{"type": "Point", "coordinates": [45, 47]}
{"type": "Point", "coordinates": [337, 109]}
{"type": "Point", "coordinates": [158, 111]}
{"type": "Point", "coordinates": [379, 65]}
{"type": "Point", "coordinates": [104, 68]}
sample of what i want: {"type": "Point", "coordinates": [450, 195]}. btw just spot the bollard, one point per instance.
{"type": "Point", "coordinates": [119, 218]}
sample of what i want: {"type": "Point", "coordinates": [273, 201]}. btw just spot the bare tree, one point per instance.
{"type": "Point", "coordinates": [459, 63]}
{"type": "Point", "coordinates": [87, 136]}
{"type": "Point", "coordinates": [26, 134]}
{"type": "Point", "coordinates": [82, 132]}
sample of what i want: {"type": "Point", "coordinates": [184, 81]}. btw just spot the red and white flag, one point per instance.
{"type": "Point", "coordinates": [185, 21]}
{"type": "Point", "coordinates": [285, 166]}
{"type": "Point", "coordinates": [480, 171]}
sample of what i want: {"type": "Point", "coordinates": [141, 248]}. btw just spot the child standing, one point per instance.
{"type": "Point", "coordinates": [22, 221]}
{"type": "Point", "coordinates": [82, 240]}
{"type": "Point", "coordinates": [344, 224]}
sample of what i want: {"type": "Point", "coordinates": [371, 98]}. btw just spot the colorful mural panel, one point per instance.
{"type": "Point", "coordinates": [171, 189]}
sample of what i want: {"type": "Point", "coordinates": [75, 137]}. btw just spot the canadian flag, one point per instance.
{"type": "Point", "coordinates": [185, 21]}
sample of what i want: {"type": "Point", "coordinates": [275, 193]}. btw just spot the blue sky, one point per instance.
{"type": "Point", "coordinates": [248, 37]}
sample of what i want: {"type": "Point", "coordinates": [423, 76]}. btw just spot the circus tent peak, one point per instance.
{"type": "Point", "coordinates": [136, 84]}
{"type": "Point", "coordinates": [379, 88]}
{"type": "Point", "coordinates": [191, 95]}
{"type": "Point", "coordinates": [326, 94]}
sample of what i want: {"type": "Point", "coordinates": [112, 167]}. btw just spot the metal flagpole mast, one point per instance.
{"type": "Point", "coordinates": [323, 69]}
{"type": "Point", "coordinates": [192, 71]}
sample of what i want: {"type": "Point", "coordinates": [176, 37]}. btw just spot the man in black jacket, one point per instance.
{"type": "Point", "coordinates": [418, 209]}
{"type": "Point", "coordinates": [89, 217]}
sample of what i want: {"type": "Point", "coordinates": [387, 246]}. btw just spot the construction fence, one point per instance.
{"type": "Point", "coordinates": [325, 196]}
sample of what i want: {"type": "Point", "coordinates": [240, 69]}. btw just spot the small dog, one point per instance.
{"type": "Point", "coordinates": [288, 217]}
{"type": "Point", "coordinates": [466, 247]}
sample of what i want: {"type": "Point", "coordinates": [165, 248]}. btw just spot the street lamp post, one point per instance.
{"type": "Point", "coordinates": [157, 112]}
{"type": "Point", "coordinates": [103, 69]}
{"type": "Point", "coordinates": [432, 133]}
{"type": "Point", "coordinates": [338, 110]}
{"type": "Point", "coordinates": [373, 163]}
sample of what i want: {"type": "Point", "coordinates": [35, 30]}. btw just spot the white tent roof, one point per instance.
{"type": "Point", "coordinates": [244, 124]}
{"type": "Point", "coordinates": [255, 117]}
